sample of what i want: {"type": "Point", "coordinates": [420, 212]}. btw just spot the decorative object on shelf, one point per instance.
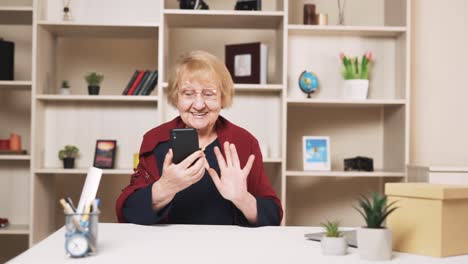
{"type": "Point", "coordinates": [11, 146]}
{"type": "Point", "coordinates": [374, 240]}
{"type": "Point", "coordinates": [104, 155]}
{"type": "Point", "coordinates": [68, 155]}
{"type": "Point", "coordinates": [141, 83]}
{"type": "Point", "coordinates": [248, 5]}
{"type": "Point", "coordinates": [308, 82]}
{"type": "Point", "coordinates": [333, 242]}
{"type": "Point", "coordinates": [67, 16]}
{"type": "Point", "coordinates": [341, 9]}
{"type": "Point", "coordinates": [4, 144]}
{"type": "Point", "coordinates": [193, 4]}
{"type": "Point", "coordinates": [356, 75]}
{"type": "Point", "coordinates": [15, 142]}
{"type": "Point", "coordinates": [7, 60]}
{"type": "Point", "coordinates": [248, 62]}
{"type": "Point", "coordinates": [322, 19]}
{"type": "Point", "coordinates": [359, 164]}
{"type": "Point", "coordinates": [94, 79]}
{"type": "Point", "coordinates": [4, 223]}
{"type": "Point", "coordinates": [65, 89]}
{"type": "Point", "coordinates": [309, 14]}
{"type": "Point", "coordinates": [316, 153]}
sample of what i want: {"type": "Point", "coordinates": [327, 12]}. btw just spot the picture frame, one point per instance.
{"type": "Point", "coordinates": [104, 154]}
{"type": "Point", "coordinates": [316, 153]}
{"type": "Point", "coordinates": [247, 62]}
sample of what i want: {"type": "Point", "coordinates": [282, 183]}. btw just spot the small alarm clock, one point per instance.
{"type": "Point", "coordinates": [77, 245]}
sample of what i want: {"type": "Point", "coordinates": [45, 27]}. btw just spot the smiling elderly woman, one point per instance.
{"type": "Point", "coordinates": [225, 184]}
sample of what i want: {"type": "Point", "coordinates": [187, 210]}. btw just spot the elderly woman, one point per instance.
{"type": "Point", "coordinates": [222, 184]}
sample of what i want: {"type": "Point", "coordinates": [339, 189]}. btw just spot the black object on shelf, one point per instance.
{"type": "Point", "coordinates": [248, 5]}
{"type": "Point", "coordinates": [193, 4]}
{"type": "Point", "coordinates": [7, 60]}
{"type": "Point", "coordinates": [359, 164]}
{"type": "Point", "coordinates": [4, 222]}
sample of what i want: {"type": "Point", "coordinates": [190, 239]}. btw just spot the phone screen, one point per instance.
{"type": "Point", "coordinates": [184, 141]}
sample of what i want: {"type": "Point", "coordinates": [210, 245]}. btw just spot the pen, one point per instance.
{"type": "Point", "coordinates": [85, 217]}
{"type": "Point", "coordinates": [70, 202]}
{"type": "Point", "coordinates": [67, 209]}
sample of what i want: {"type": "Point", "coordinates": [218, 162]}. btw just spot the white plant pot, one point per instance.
{"type": "Point", "coordinates": [65, 91]}
{"type": "Point", "coordinates": [356, 89]}
{"type": "Point", "coordinates": [336, 246]}
{"type": "Point", "coordinates": [374, 243]}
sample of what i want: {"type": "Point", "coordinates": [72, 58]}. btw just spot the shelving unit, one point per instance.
{"type": "Point", "coordinates": [154, 34]}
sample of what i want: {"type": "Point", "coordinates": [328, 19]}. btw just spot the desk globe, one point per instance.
{"type": "Point", "coordinates": [308, 82]}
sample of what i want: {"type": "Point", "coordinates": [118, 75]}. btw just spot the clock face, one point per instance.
{"type": "Point", "coordinates": [77, 245]}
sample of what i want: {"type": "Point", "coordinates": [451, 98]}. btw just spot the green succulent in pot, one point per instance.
{"type": "Point", "coordinates": [68, 155]}
{"type": "Point", "coordinates": [375, 210]}
{"type": "Point", "coordinates": [332, 228]}
{"type": "Point", "coordinates": [94, 79]}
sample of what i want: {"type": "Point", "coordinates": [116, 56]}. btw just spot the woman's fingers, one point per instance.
{"type": "Point", "coordinates": [198, 175]}
{"type": "Point", "coordinates": [227, 153]}
{"type": "Point", "coordinates": [234, 156]}
{"type": "Point", "coordinates": [168, 159]}
{"type": "Point", "coordinates": [192, 158]}
{"type": "Point", "coordinates": [219, 157]}
{"type": "Point", "coordinates": [200, 163]}
{"type": "Point", "coordinates": [248, 166]}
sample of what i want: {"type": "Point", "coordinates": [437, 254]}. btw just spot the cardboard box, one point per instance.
{"type": "Point", "coordinates": [432, 219]}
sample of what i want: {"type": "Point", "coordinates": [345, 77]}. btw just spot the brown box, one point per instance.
{"type": "Point", "coordinates": [431, 219]}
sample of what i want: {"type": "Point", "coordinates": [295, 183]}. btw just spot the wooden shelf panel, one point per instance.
{"type": "Point", "coordinates": [16, 15]}
{"type": "Point", "coordinates": [16, 84]}
{"type": "Point", "coordinates": [272, 160]}
{"type": "Point", "coordinates": [344, 102]}
{"type": "Point", "coordinates": [223, 19]}
{"type": "Point", "coordinates": [72, 29]}
{"type": "Point", "coordinates": [110, 98]}
{"type": "Point", "coordinates": [361, 31]}
{"type": "Point", "coordinates": [15, 230]}
{"type": "Point", "coordinates": [15, 157]}
{"type": "Point", "coordinates": [82, 171]}
{"type": "Point", "coordinates": [345, 174]}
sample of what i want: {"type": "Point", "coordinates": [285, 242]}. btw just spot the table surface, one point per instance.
{"type": "Point", "coordinates": [128, 243]}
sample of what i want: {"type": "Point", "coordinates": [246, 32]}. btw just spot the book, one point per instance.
{"type": "Point", "coordinates": [248, 62]}
{"type": "Point", "coordinates": [136, 82]}
{"type": "Point", "coordinates": [153, 83]}
{"type": "Point", "coordinates": [142, 82]}
{"type": "Point", "coordinates": [129, 84]}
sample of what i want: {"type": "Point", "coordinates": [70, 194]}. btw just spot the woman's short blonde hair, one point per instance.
{"type": "Point", "coordinates": [202, 67]}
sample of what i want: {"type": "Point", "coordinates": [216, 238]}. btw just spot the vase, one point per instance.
{"type": "Point", "coordinates": [356, 89]}
{"type": "Point", "coordinates": [68, 163]}
{"type": "Point", "coordinates": [93, 89]}
{"type": "Point", "coordinates": [334, 246]}
{"type": "Point", "coordinates": [374, 243]}
{"type": "Point", "coordinates": [65, 91]}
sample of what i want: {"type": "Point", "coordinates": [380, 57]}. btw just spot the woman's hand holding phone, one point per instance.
{"type": "Point", "coordinates": [177, 177]}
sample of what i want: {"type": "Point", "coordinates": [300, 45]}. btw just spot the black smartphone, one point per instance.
{"type": "Point", "coordinates": [184, 141]}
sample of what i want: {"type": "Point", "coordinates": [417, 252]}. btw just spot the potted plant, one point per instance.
{"type": "Point", "coordinates": [356, 76]}
{"type": "Point", "coordinates": [68, 155]}
{"type": "Point", "coordinates": [65, 89]}
{"type": "Point", "coordinates": [94, 79]}
{"type": "Point", "coordinates": [375, 240]}
{"type": "Point", "coordinates": [333, 242]}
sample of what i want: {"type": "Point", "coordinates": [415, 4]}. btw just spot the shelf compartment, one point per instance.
{"type": "Point", "coordinates": [94, 98]}
{"type": "Point", "coordinates": [15, 157]}
{"type": "Point", "coordinates": [360, 31]}
{"type": "Point", "coordinates": [101, 30]}
{"type": "Point", "coordinates": [14, 229]}
{"type": "Point", "coordinates": [16, 15]}
{"type": "Point", "coordinates": [345, 102]}
{"type": "Point", "coordinates": [223, 19]}
{"type": "Point", "coordinates": [345, 174]}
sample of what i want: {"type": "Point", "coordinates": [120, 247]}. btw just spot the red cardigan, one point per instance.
{"type": "Point", "coordinates": [147, 171]}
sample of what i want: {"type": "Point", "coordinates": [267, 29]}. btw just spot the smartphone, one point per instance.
{"type": "Point", "coordinates": [184, 141]}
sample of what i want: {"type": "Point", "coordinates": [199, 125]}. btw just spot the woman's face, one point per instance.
{"type": "Point", "coordinates": [199, 104]}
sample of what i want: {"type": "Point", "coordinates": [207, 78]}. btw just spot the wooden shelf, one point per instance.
{"type": "Point", "coordinates": [82, 171]}
{"type": "Point", "coordinates": [67, 29]}
{"type": "Point", "coordinates": [360, 31]}
{"type": "Point", "coordinates": [16, 84]}
{"type": "Point", "coordinates": [377, 174]}
{"type": "Point", "coordinates": [91, 98]}
{"type": "Point", "coordinates": [272, 160]}
{"type": "Point", "coordinates": [15, 230]}
{"type": "Point", "coordinates": [223, 19]}
{"type": "Point", "coordinates": [16, 15]}
{"type": "Point", "coordinates": [344, 102]}
{"type": "Point", "coordinates": [15, 157]}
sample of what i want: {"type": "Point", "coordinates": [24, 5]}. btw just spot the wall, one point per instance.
{"type": "Point", "coordinates": [439, 91]}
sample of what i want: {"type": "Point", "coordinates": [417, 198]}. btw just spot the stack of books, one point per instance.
{"type": "Point", "coordinates": [141, 83]}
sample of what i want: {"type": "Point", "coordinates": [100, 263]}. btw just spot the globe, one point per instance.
{"type": "Point", "coordinates": [308, 82]}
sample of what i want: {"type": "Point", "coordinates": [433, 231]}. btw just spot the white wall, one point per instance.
{"type": "Point", "coordinates": [439, 98]}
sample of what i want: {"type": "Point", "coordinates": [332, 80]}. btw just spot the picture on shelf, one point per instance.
{"type": "Point", "coordinates": [316, 153]}
{"type": "Point", "coordinates": [248, 62]}
{"type": "Point", "coordinates": [104, 155]}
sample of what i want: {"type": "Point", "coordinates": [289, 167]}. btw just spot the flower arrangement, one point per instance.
{"type": "Point", "coordinates": [352, 69]}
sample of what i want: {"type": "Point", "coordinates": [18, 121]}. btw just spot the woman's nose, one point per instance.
{"type": "Point", "coordinates": [199, 102]}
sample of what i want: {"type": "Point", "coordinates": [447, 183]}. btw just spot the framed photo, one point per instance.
{"type": "Point", "coordinates": [247, 63]}
{"type": "Point", "coordinates": [104, 155]}
{"type": "Point", "coordinates": [316, 153]}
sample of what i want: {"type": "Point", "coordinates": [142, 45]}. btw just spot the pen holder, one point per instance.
{"type": "Point", "coordinates": [81, 232]}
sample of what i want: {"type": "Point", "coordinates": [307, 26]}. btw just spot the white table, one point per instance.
{"type": "Point", "coordinates": [128, 243]}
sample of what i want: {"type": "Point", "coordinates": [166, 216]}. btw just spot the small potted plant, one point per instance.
{"type": "Point", "coordinates": [356, 76]}
{"type": "Point", "coordinates": [375, 240]}
{"type": "Point", "coordinates": [94, 79]}
{"type": "Point", "coordinates": [65, 89]}
{"type": "Point", "coordinates": [68, 155]}
{"type": "Point", "coordinates": [333, 242]}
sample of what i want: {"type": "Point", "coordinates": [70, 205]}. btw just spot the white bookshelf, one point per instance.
{"type": "Point", "coordinates": [82, 171]}
{"type": "Point", "coordinates": [15, 84]}
{"type": "Point", "coordinates": [14, 157]}
{"type": "Point", "coordinates": [345, 102]}
{"type": "Point", "coordinates": [97, 98]}
{"type": "Point", "coordinates": [13, 229]}
{"type": "Point", "coordinates": [345, 174]}
{"type": "Point", "coordinates": [359, 31]}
